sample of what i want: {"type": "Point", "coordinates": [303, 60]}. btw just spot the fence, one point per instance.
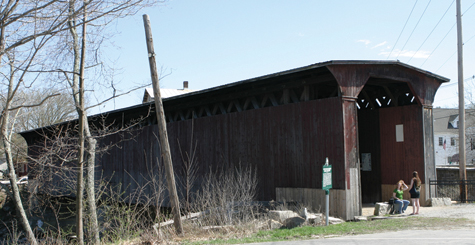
{"type": "Point", "coordinates": [451, 189]}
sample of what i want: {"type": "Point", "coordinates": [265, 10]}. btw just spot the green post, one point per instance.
{"type": "Point", "coordinates": [327, 185]}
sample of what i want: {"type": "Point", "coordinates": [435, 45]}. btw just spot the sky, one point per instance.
{"type": "Point", "coordinates": [213, 42]}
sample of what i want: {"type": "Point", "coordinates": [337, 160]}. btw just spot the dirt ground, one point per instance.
{"type": "Point", "coordinates": [456, 210]}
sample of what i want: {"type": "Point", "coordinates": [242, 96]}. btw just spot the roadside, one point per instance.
{"type": "Point", "coordinates": [454, 224]}
{"type": "Point", "coordinates": [456, 210]}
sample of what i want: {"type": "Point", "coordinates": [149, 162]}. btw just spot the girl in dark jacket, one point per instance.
{"type": "Point", "coordinates": [414, 190]}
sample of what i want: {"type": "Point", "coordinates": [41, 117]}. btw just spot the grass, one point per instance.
{"type": "Point", "coordinates": [348, 228]}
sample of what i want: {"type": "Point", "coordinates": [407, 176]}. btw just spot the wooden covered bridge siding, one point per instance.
{"type": "Point", "coordinates": [286, 144]}
{"type": "Point", "coordinates": [405, 97]}
{"type": "Point", "coordinates": [285, 124]}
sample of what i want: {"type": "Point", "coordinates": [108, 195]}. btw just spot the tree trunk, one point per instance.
{"type": "Point", "coordinates": [90, 185]}
{"type": "Point", "coordinates": [12, 176]}
{"type": "Point", "coordinates": [84, 133]}
{"type": "Point", "coordinates": [6, 138]}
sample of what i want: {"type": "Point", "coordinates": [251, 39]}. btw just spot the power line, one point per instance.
{"type": "Point", "coordinates": [413, 30]}
{"type": "Point", "coordinates": [453, 53]}
{"type": "Point", "coordinates": [402, 29]}
{"type": "Point", "coordinates": [432, 31]}
{"type": "Point", "coordinates": [455, 83]}
{"type": "Point", "coordinates": [446, 36]}
{"type": "Point", "coordinates": [439, 44]}
{"type": "Point", "coordinates": [468, 8]}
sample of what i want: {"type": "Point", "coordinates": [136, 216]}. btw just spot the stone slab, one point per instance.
{"type": "Point", "coordinates": [439, 201]}
{"type": "Point", "coordinates": [381, 208]}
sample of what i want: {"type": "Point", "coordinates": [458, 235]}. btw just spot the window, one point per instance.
{"type": "Point", "coordinates": [449, 159]}
{"type": "Point", "coordinates": [452, 141]}
{"type": "Point", "coordinates": [441, 141]}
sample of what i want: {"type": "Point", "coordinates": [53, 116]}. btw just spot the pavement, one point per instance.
{"type": "Point", "coordinates": [419, 237]}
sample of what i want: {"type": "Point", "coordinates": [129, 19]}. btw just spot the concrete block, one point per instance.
{"type": "Point", "coordinates": [315, 218]}
{"type": "Point", "coordinates": [280, 216]}
{"type": "Point", "coordinates": [439, 201]}
{"type": "Point", "coordinates": [381, 208]}
{"type": "Point", "coordinates": [334, 221]}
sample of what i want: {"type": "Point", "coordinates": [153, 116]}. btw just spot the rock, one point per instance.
{"type": "Point", "coordinates": [381, 208]}
{"type": "Point", "coordinates": [275, 224]}
{"type": "Point", "coordinates": [361, 218]}
{"type": "Point", "coordinates": [314, 218]}
{"type": "Point", "coordinates": [442, 201]}
{"type": "Point", "coordinates": [280, 216]}
{"type": "Point", "coordinates": [334, 221]}
{"type": "Point", "coordinates": [293, 222]}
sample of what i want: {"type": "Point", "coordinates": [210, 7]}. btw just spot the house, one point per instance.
{"type": "Point", "coordinates": [372, 119]}
{"type": "Point", "coordinates": [446, 136]}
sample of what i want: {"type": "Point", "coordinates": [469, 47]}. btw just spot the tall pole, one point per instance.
{"type": "Point", "coordinates": [162, 128]}
{"type": "Point", "coordinates": [462, 160]}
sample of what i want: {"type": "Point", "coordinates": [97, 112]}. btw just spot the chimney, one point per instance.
{"type": "Point", "coordinates": [185, 85]}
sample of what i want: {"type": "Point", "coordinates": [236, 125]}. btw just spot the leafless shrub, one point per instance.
{"type": "Point", "coordinates": [227, 196]}
{"type": "Point", "coordinates": [132, 216]}
{"type": "Point", "coordinates": [189, 176]}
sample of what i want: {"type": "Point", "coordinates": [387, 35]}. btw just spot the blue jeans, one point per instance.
{"type": "Point", "coordinates": [402, 205]}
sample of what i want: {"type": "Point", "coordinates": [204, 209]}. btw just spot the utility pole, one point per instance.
{"type": "Point", "coordinates": [461, 124]}
{"type": "Point", "coordinates": [162, 129]}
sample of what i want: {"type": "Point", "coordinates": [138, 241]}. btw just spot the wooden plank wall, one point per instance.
{"type": "Point", "coordinates": [314, 199]}
{"type": "Point", "coordinates": [286, 144]}
{"type": "Point", "coordinates": [430, 169]}
{"type": "Point", "coordinates": [400, 159]}
{"type": "Point", "coordinates": [353, 196]}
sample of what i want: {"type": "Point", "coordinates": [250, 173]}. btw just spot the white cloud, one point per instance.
{"type": "Point", "coordinates": [301, 34]}
{"type": "Point", "coordinates": [366, 42]}
{"type": "Point", "coordinates": [380, 44]}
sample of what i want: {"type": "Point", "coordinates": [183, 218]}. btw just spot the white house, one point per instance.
{"type": "Point", "coordinates": [446, 136]}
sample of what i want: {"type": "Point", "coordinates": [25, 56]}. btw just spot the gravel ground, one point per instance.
{"type": "Point", "coordinates": [452, 211]}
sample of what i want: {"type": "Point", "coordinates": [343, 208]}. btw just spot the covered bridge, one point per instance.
{"type": "Point", "coordinates": [372, 119]}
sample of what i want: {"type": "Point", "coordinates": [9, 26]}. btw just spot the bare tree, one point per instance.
{"type": "Point", "coordinates": [25, 29]}
{"type": "Point", "coordinates": [96, 14]}
{"type": "Point", "coordinates": [55, 110]}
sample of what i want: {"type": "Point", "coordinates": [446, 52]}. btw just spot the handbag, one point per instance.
{"type": "Point", "coordinates": [391, 200]}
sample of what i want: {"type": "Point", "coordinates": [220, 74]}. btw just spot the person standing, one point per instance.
{"type": "Point", "coordinates": [398, 196]}
{"type": "Point", "coordinates": [414, 190]}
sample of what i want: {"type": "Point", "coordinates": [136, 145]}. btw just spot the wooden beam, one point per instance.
{"type": "Point", "coordinates": [305, 94]}
{"type": "Point", "coordinates": [272, 99]}
{"type": "Point", "coordinates": [390, 95]}
{"type": "Point", "coordinates": [365, 95]}
{"type": "Point", "coordinates": [293, 96]}
{"type": "Point", "coordinates": [285, 96]}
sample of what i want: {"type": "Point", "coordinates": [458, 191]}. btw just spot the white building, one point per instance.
{"type": "Point", "coordinates": [166, 92]}
{"type": "Point", "coordinates": [446, 136]}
